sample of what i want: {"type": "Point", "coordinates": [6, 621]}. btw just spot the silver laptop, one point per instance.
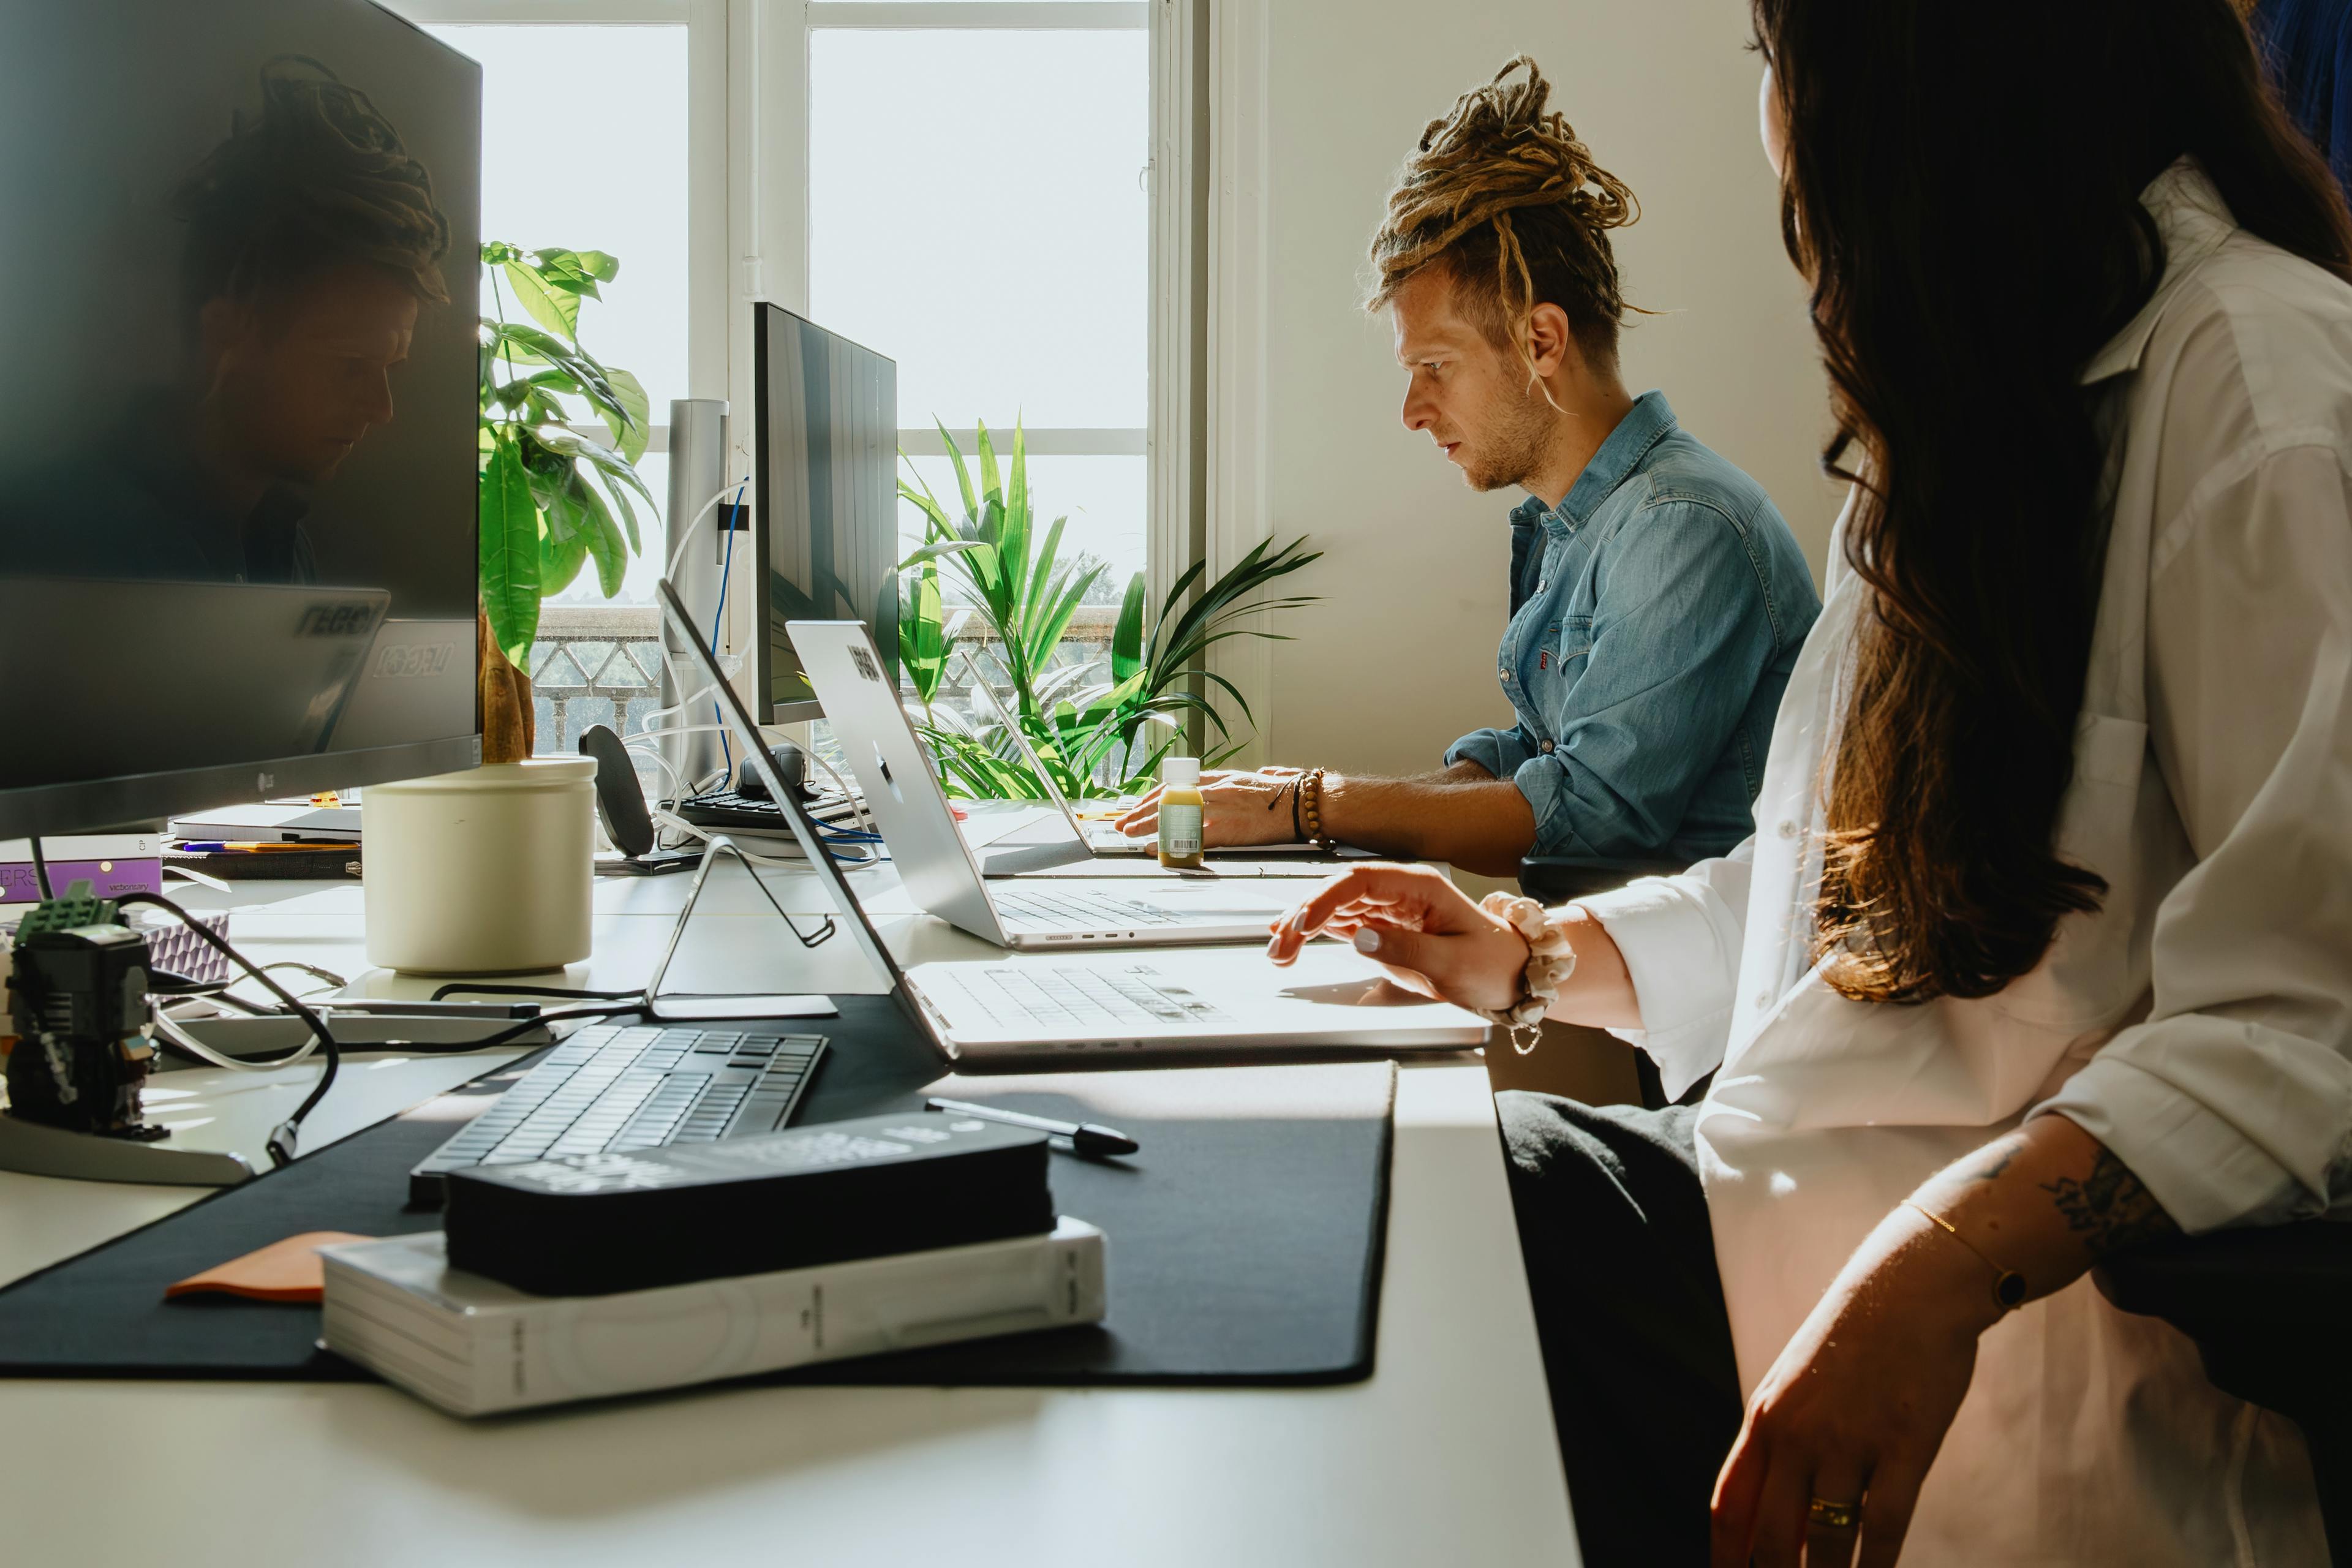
{"type": "Point", "coordinates": [938, 866]}
{"type": "Point", "coordinates": [1100, 1009]}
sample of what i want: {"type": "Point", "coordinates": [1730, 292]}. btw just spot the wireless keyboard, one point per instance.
{"type": "Point", "coordinates": [609, 1090]}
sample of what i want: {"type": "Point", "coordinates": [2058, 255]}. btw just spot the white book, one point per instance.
{"type": "Point", "coordinates": [476, 1347]}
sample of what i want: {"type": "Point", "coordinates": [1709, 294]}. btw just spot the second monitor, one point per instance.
{"type": "Point", "coordinates": [826, 420]}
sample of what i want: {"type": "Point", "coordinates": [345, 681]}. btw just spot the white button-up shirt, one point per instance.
{"type": "Point", "coordinates": [2198, 1024]}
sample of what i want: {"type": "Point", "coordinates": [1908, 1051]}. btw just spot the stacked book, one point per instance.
{"type": "Point", "coordinates": [596, 1275]}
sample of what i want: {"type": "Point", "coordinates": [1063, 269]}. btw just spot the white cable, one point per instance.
{"type": "Point", "coordinates": [170, 1030]}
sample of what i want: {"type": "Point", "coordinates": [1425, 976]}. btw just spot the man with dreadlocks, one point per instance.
{"type": "Point", "coordinates": [1657, 598]}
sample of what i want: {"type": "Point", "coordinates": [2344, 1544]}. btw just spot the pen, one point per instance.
{"type": "Point", "coordinates": [225, 846]}
{"type": "Point", "coordinates": [1085, 1138]}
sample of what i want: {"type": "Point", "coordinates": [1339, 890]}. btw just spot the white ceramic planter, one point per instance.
{"type": "Point", "coordinates": [482, 872]}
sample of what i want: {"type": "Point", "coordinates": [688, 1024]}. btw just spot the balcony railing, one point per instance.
{"type": "Point", "coordinates": [601, 663]}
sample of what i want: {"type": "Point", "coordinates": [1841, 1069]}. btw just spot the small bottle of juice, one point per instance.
{"type": "Point", "coordinates": [1180, 813]}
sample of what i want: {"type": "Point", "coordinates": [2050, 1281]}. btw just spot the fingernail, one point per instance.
{"type": "Point", "coordinates": [1367, 939]}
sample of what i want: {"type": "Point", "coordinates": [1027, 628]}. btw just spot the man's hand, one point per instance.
{"type": "Point", "coordinates": [1236, 808]}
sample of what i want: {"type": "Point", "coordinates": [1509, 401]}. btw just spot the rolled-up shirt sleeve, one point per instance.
{"type": "Point", "coordinates": [1681, 635]}
{"type": "Point", "coordinates": [1682, 937]}
{"type": "Point", "coordinates": [1499, 751]}
{"type": "Point", "coordinates": [2232, 1099]}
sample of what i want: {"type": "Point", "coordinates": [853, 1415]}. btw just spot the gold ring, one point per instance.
{"type": "Point", "coordinates": [1834, 1515]}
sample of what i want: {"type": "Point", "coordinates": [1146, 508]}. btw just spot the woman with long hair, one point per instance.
{"type": "Point", "coordinates": [2042, 947]}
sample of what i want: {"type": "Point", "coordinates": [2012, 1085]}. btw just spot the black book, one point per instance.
{"type": "Point", "coordinates": [589, 1225]}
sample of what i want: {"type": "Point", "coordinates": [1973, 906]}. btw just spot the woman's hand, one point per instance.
{"type": "Point", "coordinates": [1856, 1405]}
{"type": "Point", "coordinates": [1236, 809]}
{"type": "Point", "coordinates": [1419, 927]}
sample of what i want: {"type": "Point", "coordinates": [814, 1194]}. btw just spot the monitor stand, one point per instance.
{"type": "Point", "coordinates": [685, 1008]}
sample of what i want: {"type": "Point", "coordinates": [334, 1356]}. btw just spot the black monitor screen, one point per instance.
{"type": "Point", "coordinates": [239, 303]}
{"type": "Point", "coordinates": [827, 495]}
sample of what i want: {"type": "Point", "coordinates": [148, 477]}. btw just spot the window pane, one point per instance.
{"type": "Point", "coordinates": [977, 212]}
{"type": "Point", "coordinates": [1102, 497]}
{"type": "Point", "coordinates": [600, 167]}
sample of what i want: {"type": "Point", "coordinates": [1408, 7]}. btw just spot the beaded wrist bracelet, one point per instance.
{"type": "Point", "coordinates": [1550, 960]}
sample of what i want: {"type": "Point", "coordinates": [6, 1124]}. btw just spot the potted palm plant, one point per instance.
{"type": "Point", "coordinates": [1099, 728]}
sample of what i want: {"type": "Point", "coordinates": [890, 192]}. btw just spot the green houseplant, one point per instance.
{"type": "Point", "coordinates": [552, 501]}
{"type": "Point", "coordinates": [1087, 731]}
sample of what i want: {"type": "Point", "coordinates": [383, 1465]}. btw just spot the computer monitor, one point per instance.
{"type": "Point", "coordinates": [826, 498]}
{"type": "Point", "coordinates": [239, 307]}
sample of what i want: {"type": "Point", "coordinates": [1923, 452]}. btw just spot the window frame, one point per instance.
{"type": "Point", "coordinates": [747, 238]}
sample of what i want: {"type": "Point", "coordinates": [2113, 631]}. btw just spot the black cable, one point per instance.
{"type": "Point", "coordinates": [457, 988]}
{"type": "Point", "coordinates": [40, 870]}
{"type": "Point", "coordinates": [282, 1137]}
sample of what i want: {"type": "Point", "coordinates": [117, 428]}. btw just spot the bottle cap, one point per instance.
{"type": "Point", "coordinates": [1180, 770]}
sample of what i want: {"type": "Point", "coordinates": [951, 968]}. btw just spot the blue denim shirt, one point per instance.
{"type": "Point", "coordinates": [1655, 614]}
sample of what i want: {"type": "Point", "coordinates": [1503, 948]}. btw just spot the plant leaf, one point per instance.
{"type": "Point", "coordinates": [601, 535]}
{"type": "Point", "coordinates": [629, 435]}
{"type": "Point", "coordinates": [554, 309]}
{"type": "Point", "coordinates": [509, 553]}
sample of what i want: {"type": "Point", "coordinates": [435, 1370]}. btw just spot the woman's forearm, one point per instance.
{"type": "Point", "coordinates": [2047, 1201]}
{"type": "Point", "coordinates": [1600, 994]}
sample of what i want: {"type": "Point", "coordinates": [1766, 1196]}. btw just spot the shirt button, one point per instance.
{"type": "Point", "coordinates": [1788, 830]}
{"type": "Point", "coordinates": [1763, 1000]}
{"type": "Point", "coordinates": [1545, 748]}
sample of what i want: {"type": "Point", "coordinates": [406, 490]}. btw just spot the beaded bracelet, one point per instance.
{"type": "Point", "coordinates": [1551, 959]}
{"type": "Point", "coordinates": [1310, 803]}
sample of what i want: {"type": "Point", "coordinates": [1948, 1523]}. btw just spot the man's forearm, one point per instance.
{"type": "Point", "coordinates": [1461, 817]}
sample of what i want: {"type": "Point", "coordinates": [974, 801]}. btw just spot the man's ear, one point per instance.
{"type": "Point", "coordinates": [1549, 341]}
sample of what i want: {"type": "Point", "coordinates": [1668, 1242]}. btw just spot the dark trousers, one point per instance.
{"type": "Point", "coordinates": [1636, 1346]}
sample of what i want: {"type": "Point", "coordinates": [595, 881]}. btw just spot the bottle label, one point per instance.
{"type": "Point", "coordinates": [1180, 829]}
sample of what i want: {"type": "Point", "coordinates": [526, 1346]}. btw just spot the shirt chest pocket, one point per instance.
{"type": "Point", "coordinates": [1566, 642]}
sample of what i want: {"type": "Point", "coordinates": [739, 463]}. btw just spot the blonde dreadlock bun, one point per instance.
{"type": "Point", "coordinates": [1501, 188]}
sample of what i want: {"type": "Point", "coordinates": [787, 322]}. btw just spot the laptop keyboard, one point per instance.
{"type": "Point", "coordinates": [1082, 999]}
{"type": "Point", "coordinates": [610, 1088]}
{"type": "Point", "coordinates": [1077, 907]}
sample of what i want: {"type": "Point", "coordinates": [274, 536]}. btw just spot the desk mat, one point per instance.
{"type": "Point", "coordinates": [1243, 1249]}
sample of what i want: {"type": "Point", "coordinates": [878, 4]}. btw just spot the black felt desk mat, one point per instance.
{"type": "Point", "coordinates": [1243, 1249]}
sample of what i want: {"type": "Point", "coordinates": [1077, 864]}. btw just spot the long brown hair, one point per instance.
{"type": "Point", "coordinates": [1502, 192]}
{"type": "Point", "coordinates": [1961, 189]}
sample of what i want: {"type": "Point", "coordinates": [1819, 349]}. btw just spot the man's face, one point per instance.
{"type": "Point", "coordinates": [297, 384]}
{"type": "Point", "coordinates": [1472, 397]}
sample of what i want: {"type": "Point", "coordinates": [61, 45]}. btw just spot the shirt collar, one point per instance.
{"type": "Point", "coordinates": [2193, 221]}
{"type": "Point", "coordinates": [1647, 422]}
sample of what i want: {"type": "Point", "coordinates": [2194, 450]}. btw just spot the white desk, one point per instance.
{"type": "Point", "coordinates": [1446, 1453]}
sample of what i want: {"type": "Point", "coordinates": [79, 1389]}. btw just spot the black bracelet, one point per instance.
{"type": "Point", "coordinates": [1296, 833]}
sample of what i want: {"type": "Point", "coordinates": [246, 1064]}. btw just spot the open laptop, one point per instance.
{"type": "Point", "coordinates": [938, 867]}
{"type": "Point", "coordinates": [1103, 839]}
{"type": "Point", "coordinates": [1103, 1009]}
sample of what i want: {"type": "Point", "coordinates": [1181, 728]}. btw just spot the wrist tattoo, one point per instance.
{"type": "Point", "coordinates": [2110, 1209]}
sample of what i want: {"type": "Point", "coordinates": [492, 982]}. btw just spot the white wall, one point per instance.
{"type": "Point", "coordinates": [1399, 657]}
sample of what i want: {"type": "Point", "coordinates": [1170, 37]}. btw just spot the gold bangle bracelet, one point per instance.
{"type": "Point", "coordinates": [2008, 1284]}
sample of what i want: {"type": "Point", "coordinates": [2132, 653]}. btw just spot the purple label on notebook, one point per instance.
{"type": "Point", "coordinates": [106, 879]}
